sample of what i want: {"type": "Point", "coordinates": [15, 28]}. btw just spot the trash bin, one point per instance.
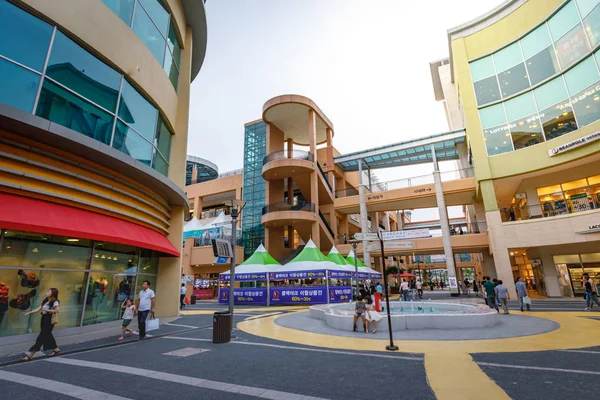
{"type": "Point", "coordinates": [222, 327]}
{"type": "Point", "coordinates": [193, 301]}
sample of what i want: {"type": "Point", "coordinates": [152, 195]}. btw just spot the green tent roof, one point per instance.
{"type": "Point", "coordinates": [310, 253]}
{"type": "Point", "coordinates": [350, 259]}
{"type": "Point", "coordinates": [335, 257]}
{"type": "Point", "coordinates": [260, 257]}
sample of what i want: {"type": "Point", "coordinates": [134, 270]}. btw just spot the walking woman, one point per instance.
{"type": "Point", "coordinates": [49, 307]}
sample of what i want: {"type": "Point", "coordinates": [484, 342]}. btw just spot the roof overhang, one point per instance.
{"type": "Point", "coordinates": [195, 16]}
{"type": "Point", "coordinates": [412, 152]}
{"type": "Point", "coordinates": [290, 114]}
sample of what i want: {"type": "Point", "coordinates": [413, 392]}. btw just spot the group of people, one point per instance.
{"type": "Point", "coordinates": [365, 310]}
{"type": "Point", "coordinates": [414, 287]}
{"type": "Point", "coordinates": [50, 308]}
{"type": "Point", "coordinates": [496, 294]}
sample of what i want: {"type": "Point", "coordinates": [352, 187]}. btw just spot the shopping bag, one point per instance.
{"type": "Point", "coordinates": [186, 300]}
{"type": "Point", "coordinates": [527, 300]}
{"type": "Point", "coordinates": [152, 324]}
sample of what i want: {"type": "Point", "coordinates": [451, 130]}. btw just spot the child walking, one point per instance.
{"type": "Point", "coordinates": [127, 317]}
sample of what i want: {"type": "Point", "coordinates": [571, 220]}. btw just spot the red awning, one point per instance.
{"type": "Point", "coordinates": [33, 215]}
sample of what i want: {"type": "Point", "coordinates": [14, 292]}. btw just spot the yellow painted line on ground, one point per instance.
{"type": "Point", "coordinates": [454, 375]}
{"type": "Point", "coordinates": [263, 315]}
{"type": "Point", "coordinates": [244, 310]}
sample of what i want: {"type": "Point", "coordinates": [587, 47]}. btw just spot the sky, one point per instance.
{"type": "Point", "coordinates": [365, 63]}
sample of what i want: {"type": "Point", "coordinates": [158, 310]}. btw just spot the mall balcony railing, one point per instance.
{"type": "Point", "coordinates": [326, 224]}
{"type": "Point", "coordinates": [468, 228]}
{"type": "Point", "coordinates": [283, 206]}
{"type": "Point", "coordinates": [546, 210]}
{"type": "Point", "coordinates": [324, 177]}
{"type": "Point", "coordinates": [212, 213]}
{"type": "Point", "coordinates": [412, 181]}
{"type": "Point", "coordinates": [284, 154]}
{"type": "Point", "coordinates": [206, 240]}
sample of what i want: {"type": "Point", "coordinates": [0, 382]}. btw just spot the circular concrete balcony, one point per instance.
{"type": "Point", "coordinates": [282, 213]}
{"type": "Point", "coordinates": [282, 164]}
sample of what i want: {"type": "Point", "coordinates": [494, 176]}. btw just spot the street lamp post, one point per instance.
{"type": "Point", "coordinates": [391, 346]}
{"type": "Point", "coordinates": [235, 208]}
{"type": "Point", "coordinates": [354, 244]}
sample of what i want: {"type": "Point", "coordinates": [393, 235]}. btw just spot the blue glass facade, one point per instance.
{"type": "Point", "coordinates": [152, 23]}
{"type": "Point", "coordinates": [46, 73]}
{"type": "Point", "coordinates": [255, 150]}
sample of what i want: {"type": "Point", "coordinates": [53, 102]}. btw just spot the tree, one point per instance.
{"type": "Point", "coordinates": [391, 270]}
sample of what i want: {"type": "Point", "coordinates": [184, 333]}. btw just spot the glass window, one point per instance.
{"type": "Point", "coordinates": [20, 295]}
{"type": "Point", "coordinates": [63, 107]}
{"type": "Point", "coordinates": [536, 41]}
{"type": "Point", "coordinates": [131, 143]}
{"type": "Point", "coordinates": [585, 6]}
{"type": "Point", "coordinates": [106, 292]}
{"type": "Point", "coordinates": [525, 127]}
{"type": "Point", "coordinates": [496, 132]}
{"type": "Point", "coordinates": [586, 105]}
{"type": "Point", "coordinates": [563, 21]}
{"type": "Point", "coordinates": [173, 44]}
{"type": "Point", "coordinates": [160, 16]}
{"type": "Point", "coordinates": [149, 262]}
{"type": "Point", "coordinates": [163, 139]}
{"type": "Point", "coordinates": [550, 93]}
{"type": "Point", "coordinates": [508, 57]}
{"type": "Point", "coordinates": [171, 69]}
{"type": "Point", "coordinates": [83, 73]}
{"type": "Point", "coordinates": [552, 201]}
{"type": "Point", "coordinates": [147, 32]}
{"type": "Point", "coordinates": [513, 80]}
{"type": "Point", "coordinates": [18, 86]}
{"type": "Point", "coordinates": [115, 257]}
{"type": "Point", "coordinates": [594, 183]}
{"type": "Point", "coordinates": [542, 65]}
{"type": "Point", "coordinates": [572, 47]}
{"type": "Point", "coordinates": [136, 111]}
{"type": "Point", "coordinates": [160, 164]}
{"type": "Point", "coordinates": [592, 26]}
{"type": "Point", "coordinates": [25, 38]}
{"type": "Point", "coordinates": [123, 8]}
{"type": "Point", "coordinates": [482, 68]}
{"type": "Point", "coordinates": [578, 198]}
{"type": "Point", "coordinates": [486, 90]}
{"type": "Point", "coordinates": [558, 120]}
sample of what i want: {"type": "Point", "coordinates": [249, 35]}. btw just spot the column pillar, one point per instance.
{"type": "Point", "coordinates": [198, 207]}
{"type": "Point", "coordinates": [314, 178]}
{"type": "Point", "coordinates": [441, 203]}
{"type": "Point", "coordinates": [364, 223]}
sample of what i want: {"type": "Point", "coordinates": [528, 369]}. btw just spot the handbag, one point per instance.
{"type": "Point", "coordinates": [152, 324]}
{"type": "Point", "coordinates": [527, 300]}
{"type": "Point", "coordinates": [54, 318]}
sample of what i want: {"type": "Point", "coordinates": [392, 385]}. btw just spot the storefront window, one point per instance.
{"type": "Point", "coordinates": [556, 113]}
{"type": "Point", "coordinates": [485, 81]}
{"type": "Point", "coordinates": [115, 257]}
{"type": "Point", "coordinates": [552, 201]}
{"type": "Point", "coordinates": [525, 126]}
{"type": "Point", "coordinates": [496, 133]}
{"type": "Point", "coordinates": [591, 265]}
{"type": "Point", "coordinates": [106, 293]}
{"type": "Point", "coordinates": [510, 67]}
{"type": "Point", "coordinates": [572, 47]}
{"type": "Point", "coordinates": [577, 195]}
{"type": "Point", "coordinates": [594, 182]}
{"type": "Point", "coordinates": [591, 24]}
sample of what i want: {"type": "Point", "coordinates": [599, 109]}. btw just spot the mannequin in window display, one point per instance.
{"type": "Point", "coordinates": [99, 292]}
{"type": "Point", "coordinates": [4, 289]}
{"type": "Point", "coordinates": [124, 289]}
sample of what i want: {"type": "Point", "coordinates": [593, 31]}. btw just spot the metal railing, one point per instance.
{"type": "Point", "coordinates": [231, 173]}
{"type": "Point", "coordinates": [468, 228]}
{"type": "Point", "coordinates": [428, 179]}
{"type": "Point", "coordinates": [346, 193]}
{"type": "Point", "coordinates": [284, 154]}
{"type": "Point", "coordinates": [283, 206]}
{"type": "Point", "coordinates": [546, 210]}
{"type": "Point", "coordinates": [206, 240]}
{"type": "Point", "coordinates": [324, 177]}
{"type": "Point", "coordinates": [326, 224]}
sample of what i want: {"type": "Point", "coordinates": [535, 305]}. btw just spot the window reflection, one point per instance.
{"type": "Point", "coordinates": [486, 90]}
{"type": "Point", "coordinates": [572, 47]}
{"type": "Point", "coordinates": [563, 21]}
{"type": "Point", "coordinates": [497, 139]}
{"type": "Point", "coordinates": [131, 143]}
{"type": "Point", "coordinates": [558, 120]}
{"type": "Point", "coordinates": [542, 65]}
{"type": "Point", "coordinates": [123, 8]}
{"type": "Point", "coordinates": [513, 80]}
{"type": "Point", "coordinates": [592, 26]}
{"type": "Point", "coordinates": [137, 112]}
{"type": "Point", "coordinates": [19, 86]}
{"type": "Point", "coordinates": [58, 105]}
{"type": "Point", "coordinates": [147, 32]}
{"type": "Point", "coordinates": [524, 123]}
{"type": "Point", "coordinates": [587, 105]}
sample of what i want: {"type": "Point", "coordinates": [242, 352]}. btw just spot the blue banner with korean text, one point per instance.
{"type": "Point", "coordinates": [244, 295]}
{"type": "Point", "coordinates": [340, 294]}
{"type": "Point", "coordinates": [299, 295]}
{"type": "Point", "coordinates": [278, 276]}
{"type": "Point", "coordinates": [255, 276]}
{"type": "Point", "coordinates": [340, 274]}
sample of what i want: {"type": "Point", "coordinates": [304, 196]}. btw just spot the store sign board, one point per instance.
{"type": "Point", "coordinates": [591, 229]}
{"type": "Point", "coordinates": [574, 144]}
{"type": "Point", "coordinates": [299, 295]}
{"type": "Point", "coordinates": [340, 294]}
{"type": "Point", "coordinates": [406, 234]}
{"type": "Point", "coordinates": [366, 236]}
{"type": "Point", "coordinates": [394, 245]}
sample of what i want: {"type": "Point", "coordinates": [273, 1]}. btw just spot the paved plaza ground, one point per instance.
{"type": "Point", "coordinates": [280, 353]}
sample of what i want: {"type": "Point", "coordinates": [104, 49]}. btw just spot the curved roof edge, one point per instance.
{"type": "Point", "coordinates": [195, 16]}
{"type": "Point", "coordinates": [298, 99]}
{"type": "Point", "coordinates": [202, 161]}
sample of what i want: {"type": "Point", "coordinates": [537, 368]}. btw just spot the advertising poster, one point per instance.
{"type": "Point", "coordinates": [299, 295]}
{"type": "Point", "coordinates": [340, 294]}
{"type": "Point", "coordinates": [244, 295]}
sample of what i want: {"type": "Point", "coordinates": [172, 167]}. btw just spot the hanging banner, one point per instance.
{"type": "Point", "coordinates": [340, 294]}
{"type": "Point", "coordinates": [406, 234]}
{"type": "Point", "coordinates": [278, 276]}
{"type": "Point", "coordinates": [256, 276]}
{"type": "Point", "coordinates": [299, 295]}
{"type": "Point", "coordinates": [340, 274]}
{"type": "Point", "coordinates": [244, 295]}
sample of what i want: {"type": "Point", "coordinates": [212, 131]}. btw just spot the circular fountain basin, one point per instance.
{"type": "Point", "coordinates": [431, 315]}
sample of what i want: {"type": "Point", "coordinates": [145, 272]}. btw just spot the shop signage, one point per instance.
{"type": "Point", "coordinates": [340, 274]}
{"type": "Point", "coordinates": [340, 294]}
{"type": "Point", "coordinates": [221, 260]}
{"type": "Point", "coordinates": [254, 276]}
{"type": "Point", "coordinates": [422, 190]}
{"type": "Point", "coordinates": [406, 234]}
{"type": "Point", "coordinates": [574, 144]}
{"type": "Point", "coordinates": [375, 197]}
{"type": "Point", "coordinates": [244, 295]}
{"type": "Point", "coordinates": [394, 245]}
{"type": "Point", "coordinates": [299, 295]}
{"type": "Point", "coordinates": [452, 282]}
{"type": "Point", "coordinates": [366, 236]}
{"type": "Point", "coordinates": [278, 276]}
{"type": "Point", "coordinates": [590, 229]}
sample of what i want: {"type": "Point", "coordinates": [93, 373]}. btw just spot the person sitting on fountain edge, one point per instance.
{"type": "Point", "coordinates": [359, 311]}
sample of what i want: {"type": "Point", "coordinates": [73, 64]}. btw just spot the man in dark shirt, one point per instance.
{"type": "Point", "coordinates": [490, 293]}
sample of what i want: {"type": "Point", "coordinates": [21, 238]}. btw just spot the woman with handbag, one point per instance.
{"type": "Point", "coordinates": [49, 309]}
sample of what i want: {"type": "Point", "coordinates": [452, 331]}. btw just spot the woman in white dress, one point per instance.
{"type": "Point", "coordinates": [371, 315]}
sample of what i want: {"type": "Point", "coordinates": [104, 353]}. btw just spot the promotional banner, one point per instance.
{"type": "Point", "coordinates": [299, 295]}
{"type": "Point", "coordinates": [278, 276]}
{"type": "Point", "coordinates": [340, 274]}
{"type": "Point", "coordinates": [255, 276]}
{"type": "Point", "coordinates": [244, 295]}
{"type": "Point", "coordinates": [340, 294]}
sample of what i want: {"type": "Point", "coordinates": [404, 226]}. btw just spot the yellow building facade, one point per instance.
{"type": "Point", "coordinates": [94, 106]}
{"type": "Point", "coordinates": [525, 82]}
